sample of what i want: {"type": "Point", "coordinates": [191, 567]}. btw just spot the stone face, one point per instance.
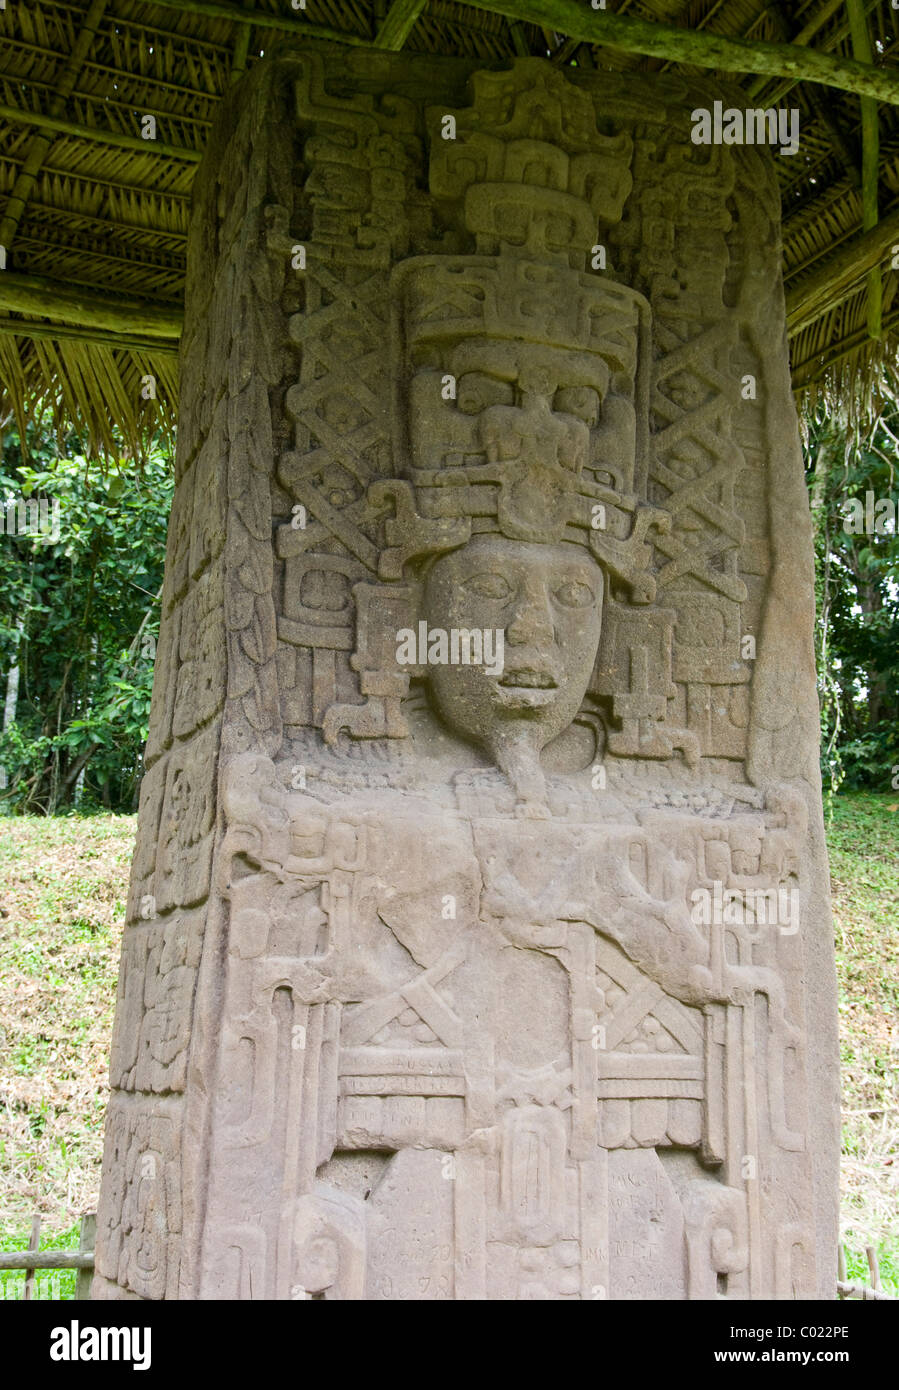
{"type": "Point", "coordinates": [478, 941]}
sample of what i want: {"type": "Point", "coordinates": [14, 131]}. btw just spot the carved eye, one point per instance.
{"type": "Point", "coordinates": [580, 401]}
{"type": "Point", "coordinates": [476, 391]}
{"type": "Point", "coordinates": [488, 586]}
{"type": "Point", "coordinates": [574, 594]}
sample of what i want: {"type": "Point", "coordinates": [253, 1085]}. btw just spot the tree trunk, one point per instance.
{"type": "Point", "coordinates": [12, 696]}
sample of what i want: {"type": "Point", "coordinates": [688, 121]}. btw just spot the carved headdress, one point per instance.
{"type": "Point", "coordinates": [520, 371]}
{"type": "Point", "coordinates": [521, 381]}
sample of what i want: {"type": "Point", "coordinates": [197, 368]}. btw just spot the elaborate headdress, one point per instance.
{"type": "Point", "coordinates": [524, 184]}
{"type": "Point", "coordinates": [533, 209]}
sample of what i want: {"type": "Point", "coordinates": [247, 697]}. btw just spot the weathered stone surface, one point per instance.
{"type": "Point", "coordinates": [508, 977]}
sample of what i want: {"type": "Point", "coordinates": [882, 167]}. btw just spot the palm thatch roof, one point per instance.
{"type": "Point", "coordinates": [93, 217]}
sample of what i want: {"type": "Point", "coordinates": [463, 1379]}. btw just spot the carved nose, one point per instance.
{"type": "Point", "coordinates": [532, 621]}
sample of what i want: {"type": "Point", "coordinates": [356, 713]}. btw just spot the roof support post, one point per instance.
{"type": "Point", "coordinates": [399, 24]}
{"type": "Point", "coordinates": [861, 47]}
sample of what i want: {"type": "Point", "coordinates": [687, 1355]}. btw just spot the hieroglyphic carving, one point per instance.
{"type": "Point", "coordinates": [137, 1247]}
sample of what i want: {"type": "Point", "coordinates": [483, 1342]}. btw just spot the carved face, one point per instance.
{"type": "Point", "coordinates": [533, 403]}
{"type": "Point", "coordinates": [546, 600]}
{"type": "Point", "coordinates": [524, 409]}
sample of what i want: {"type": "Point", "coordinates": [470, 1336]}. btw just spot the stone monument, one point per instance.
{"type": "Point", "coordinates": [478, 943]}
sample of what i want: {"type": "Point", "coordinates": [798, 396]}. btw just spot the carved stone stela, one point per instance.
{"type": "Point", "coordinates": [446, 979]}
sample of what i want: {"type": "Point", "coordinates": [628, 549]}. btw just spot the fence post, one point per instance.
{"type": "Point", "coordinates": [34, 1246]}
{"type": "Point", "coordinates": [86, 1244]}
{"type": "Point", "coordinates": [874, 1267]}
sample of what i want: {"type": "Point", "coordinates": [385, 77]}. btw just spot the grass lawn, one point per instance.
{"type": "Point", "coordinates": [62, 900]}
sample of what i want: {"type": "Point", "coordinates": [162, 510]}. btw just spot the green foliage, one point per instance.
{"type": "Point", "coordinates": [79, 615]}
{"type": "Point", "coordinates": [857, 587]}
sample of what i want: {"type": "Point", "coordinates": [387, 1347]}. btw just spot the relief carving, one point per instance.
{"type": "Point", "coordinates": [505, 977]}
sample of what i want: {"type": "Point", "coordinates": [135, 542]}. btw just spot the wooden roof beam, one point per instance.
{"type": "Point", "coordinates": [125, 342]}
{"type": "Point", "coordinates": [148, 190]}
{"type": "Point", "coordinates": [293, 22]}
{"type": "Point", "coordinates": [32, 294]}
{"type": "Point", "coordinates": [820, 108]}
{"type": "Point", "coordinates": [861, 47]}
{"type": "Point", "coordinates": [241, 49]}
{"type": "Point", "coordinates": [805, 36]}
{"type": "Point", "coordinates": [18, 116]}
{"type": "Point", "coordinates": [398, 25]}
{"type": "Point", "coordinates": [838, 276]}
{"type": "Point", "coordinates": [40, 144]}
{"type": "Point", "coordinates": [519, 39]}
{"type": "Point", "coordinates": [699, 48]}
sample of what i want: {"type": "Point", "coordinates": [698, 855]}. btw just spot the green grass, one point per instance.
{"type": "Point", "coordinates": [863, 842]}
{"type": "Point", "coordinates": [63, 884]}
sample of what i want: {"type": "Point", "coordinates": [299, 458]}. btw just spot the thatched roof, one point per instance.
{"type": "Point", "coordinates": [94, 218]}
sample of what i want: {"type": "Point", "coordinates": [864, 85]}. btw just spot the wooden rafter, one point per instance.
{"type": "Point", "coordinates": [861, 47]}
{"type": "Point", "coordinates": [802, 38]}
{"type": "Point", "coordinates": [399, 24]}
{"type": "Point", "coordinates": [40, 144]}
{"type": "Point", "coordinates": [699, 48]}
{"type": "Point", "coordinates": [819, 106]}
{"type": "Point", "coordinates": [839, 276]}
{"type": "Point", "coordinates": [519, 39]}
{"type": "Point", "coordinates": [17, 116]}
{"type": "Point", "coordinates": [126, 342]}
{"type": "Point", "coordinates": [241, 49]}
{"type": "Point", "coordinates": [111, 225]}
{"type": "Point", "coordinates": [33, 294]}
{"type": "Point", "coordinates": [292, 21]}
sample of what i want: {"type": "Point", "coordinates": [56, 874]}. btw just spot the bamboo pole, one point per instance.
{"type": "Point", "coordinates": [292, 22]}
{"type": "Point", "coordinates": [125, 342]}
{"type": "Point", "coordinates": [519, 40]}
{"type": "Point", "coordinates": [399, 24]}
{"type": "Point", "coordinates": [31, 294]}
{"type": "Point", "coordinates": [840, 274]}
{"type": "Point", "coordinates": [861, 47]}
{"type": "Point", "coordinates": [699, 48]}
{"type": "Point", "coordinates": [805, 36]}
{"type": "Point", "coordinates": [18, 116]}
{"type": "Point", "coordinates": [241, 49]}
{"type": "Point", "coordinates": [40, 144]}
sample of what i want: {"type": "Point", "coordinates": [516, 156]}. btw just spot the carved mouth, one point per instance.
{"type": "Point", "coordinates": [528, 680]}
